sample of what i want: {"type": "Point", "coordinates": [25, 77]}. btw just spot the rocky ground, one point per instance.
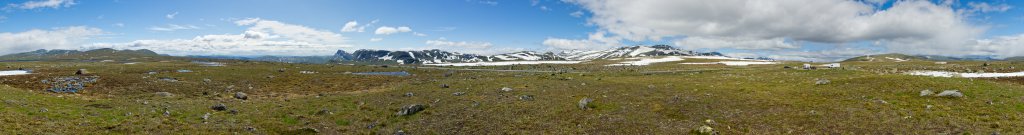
{"type": "Point", "coordinates": [587, 98]}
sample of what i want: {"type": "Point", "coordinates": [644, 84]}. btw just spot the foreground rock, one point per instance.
{"type": "Point", "coordinates": [241, 95]}
{"type": "Point", "coordinates": [410, 110]}
{"type": "Point", "coordinates": [164, 94]}
{"type": "Point", "coordinates": [219, 107]}
{"type": "Point", "coordinates": [82, 72]}
{"type": "Point", "coordinates": [506, 89]}
{"type": "Point", "coordinates": [585, 103]}
{"type": "Point", "coordinates": [927, 93]}
{"type": "Point", "coordinates": [822, 82]}
{"type": "Point", "coordinates": [950, 94]}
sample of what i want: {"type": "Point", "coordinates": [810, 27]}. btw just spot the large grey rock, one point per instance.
{"type": "Point", "coordinates": [82, 72]}
{"type": "Point", "coordinates": [164, 94]}
{"type": "Point", "coordinates": [526, 97]}
{"type": "Point", "coordinates": [219, 107]}
{"type": "Point", "coordinates": [410, 110]}
{"type": "Point", "coordinates": [950, 93]}
{"type": "Point", "coordinates": [585, 103]}
{"type": "Point", "coordinates": [822, 82]}
{"type": "Point", "coordinates": [506, 89]}
{"type": "Point", "coordinates": [241, 95]}
{"type": "Point", "coordinates": [927, 93]}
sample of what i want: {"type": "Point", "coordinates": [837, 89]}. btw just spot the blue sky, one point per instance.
{"type": "Point", "coordinates": [314, 27]}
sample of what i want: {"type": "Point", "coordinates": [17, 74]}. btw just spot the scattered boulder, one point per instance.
{"type": "Point", "coordinates": [458, 93]}
{"type": "Point", "coordinates": [410, 110]}
{"type": "Point", "coordinates": [927, 93]}
{"type": "Point", "coordinates": [526, 97]}
{"type": "Point", "coordinates": [280, 70]}
{"type": "Point", "coordinates": [400, 132]}
{"type": "Point", "coordinates": [585, 103]}
{"type": "Point", "coordinates": [219, 107]}
{"type": "Point", "coordinates": [506, 89]}
{"type": "Point", "coordinates": [324, 112]}
{"type": "Point", "coordinates": [706, 130]}
{"type": "Point", "coordinates": [444, 86]}
{"type": "Point", "coordinates": [206, 116]}
{"type": "Point", "coordinates": [82, 72]}
{"type": "Point", "coordinates": [164, 94]}
{"type": "Point", "coordinates": [241, 95]}
{"type": "Point", "coordinates": [822, 82]}
{"type": "Point", "coordinates": [950, 93]}
{"type": "Point", "coordinates": [409, 94]}
{"type": "Point", "coordinates": [207, 80]}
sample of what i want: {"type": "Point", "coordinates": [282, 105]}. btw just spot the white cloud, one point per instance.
{"type": "Point", "coordinates": [56, 38]}
{"type": "Point", "coordinates": [829, 55]}
{"type": "Point", "coordinates": [43, 4]}
{"type": "Point", "coordinates": [419, 34]}
{"type": "Point", "coordinates": [911, 24]}
{"type": "Point", "coordinates": [171, 16]}
{"type": "Point", "coordinates": [576, 14]}
{"type": "Point", "coordinates": [119, 24]}
{"type": "Point", "coordinates": [170, 27]}
{"type": "Point", "coordinates": [291, 31]}
{"type": "Point", "coordinates": [263, 37]}
{"type": "Point", "coordinates": [376, 39]}
{"type": "Point", "coordinates": [385, 30]}
{"type": "Point", "coordinates": [595, 41]}
{"type": "Point", "coordinates": [352, 26]}
{"type": "Point", "coordinates": [462, 44]}
{"type": "Point", "coordinates": [734, 42]}
{"type": "Point", "coordinates": [985, 7]}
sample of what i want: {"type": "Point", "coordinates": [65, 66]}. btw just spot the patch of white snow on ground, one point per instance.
{"type": "Point", "coordinates": [964, 75]}
{"type": "Point", "coordinates": [732, 63]}
{"type": "Point", "coordinates": [13, 72]}
{"type": "Point", "coordinates": [505, 63]}
{"type": "Point", "coordinates": [648, 61]}
{"type": "Point", "coordinates": [896, 59]}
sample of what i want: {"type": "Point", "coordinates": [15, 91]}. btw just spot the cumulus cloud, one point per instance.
{"type": "Point", "coordinates": [576, 14]}
{"type": "Point", "coordinates": [443, 43]}
{"type": "Point", "coordinates": [594, 42]}
{"type": "Point", "coordinates": [169, 27]}
{"type": "Point", "coordinates": [353, 26]}
{"type": "Point", "coordinates": [43, 4]}
{"type": "Point", "coordinates": [263, 37]}
{"type": "Point", "coordinates": [56, 38]}
{"type": "Point", "coordinates": [910, 24]}
{"type": "Point", "coordinates": [385, 30]}
{"type": "Point", "coordinates": [734, 42]}
{"type": "Point", "coordinates": [985, 7]}
{"type": "Point", "coordinates": [829, 55]}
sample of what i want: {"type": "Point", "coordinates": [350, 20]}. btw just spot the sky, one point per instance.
{"type": "Point", "coordinates": [806, 30]}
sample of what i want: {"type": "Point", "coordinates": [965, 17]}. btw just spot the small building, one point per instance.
{"type": "Point", "coordinates": [807, 66]}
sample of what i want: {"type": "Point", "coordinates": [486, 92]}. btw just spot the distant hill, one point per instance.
{"type": "Point", "coordinates": [97, 55]}
{"type": "Point", "coordinates": [891, 57]}
{"type": "Point", "coordinates": [1018, 58]}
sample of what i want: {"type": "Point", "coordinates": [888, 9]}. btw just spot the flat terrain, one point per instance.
{"type": "Point", "coordinates": [663, 98]}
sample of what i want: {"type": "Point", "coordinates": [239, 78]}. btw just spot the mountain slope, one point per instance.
{"type": "Point", "coordinates": [97, 54]}
{"type": "Point", "coordinates": [437, 56]}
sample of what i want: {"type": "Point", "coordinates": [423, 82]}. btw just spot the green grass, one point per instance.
{"type": "Point", "coordinates": [664, 98]}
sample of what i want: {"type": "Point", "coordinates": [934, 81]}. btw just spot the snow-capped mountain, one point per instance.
{"type": "Point", "coordinates": [525, 56]}
{"type": "Point", "coordinates": [410, 57]}
{"type": "Point", "coordinates": [437, 56]}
